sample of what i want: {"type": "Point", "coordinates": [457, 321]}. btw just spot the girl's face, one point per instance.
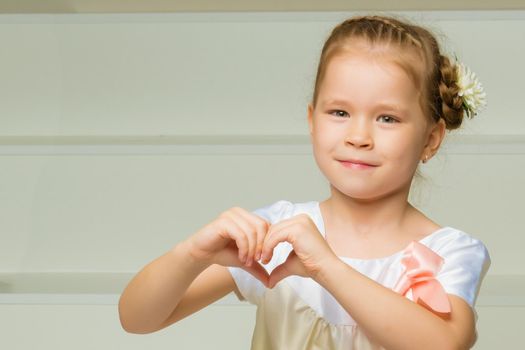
{"type": "Point", "coordinates": [368, 111]}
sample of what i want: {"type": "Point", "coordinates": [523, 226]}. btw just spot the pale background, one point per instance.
{"type": "Point", "coordinates": [121, 134]}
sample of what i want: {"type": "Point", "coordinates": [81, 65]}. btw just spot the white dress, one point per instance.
{"type": "Point", "coordinates": [298, 313]}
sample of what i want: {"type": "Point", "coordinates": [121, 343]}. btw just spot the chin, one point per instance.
{"type": "Point", "coordinates": [364, 192]}
{"type": "Point", "coordinates": [365, 198]}
{"type": "Point", "coordinates": [358, 193]}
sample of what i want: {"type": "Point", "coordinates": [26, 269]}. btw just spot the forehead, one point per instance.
{"type": "Point", "coordinates": [368, 75]}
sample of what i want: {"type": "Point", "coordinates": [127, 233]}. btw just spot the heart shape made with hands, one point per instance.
{"type": "Point", "coordinates": [291, 266]}
{"type": "Point", "coordinates": [309, 248]}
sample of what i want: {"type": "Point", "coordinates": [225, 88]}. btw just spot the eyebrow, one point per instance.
{"type": "Point", "coordinates": [392, 107]}
{"type": "Point", "coordinates": [382, 105]}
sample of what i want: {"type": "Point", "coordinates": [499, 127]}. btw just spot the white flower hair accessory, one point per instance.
{"type": "Point", "coordinates": [471, 91]}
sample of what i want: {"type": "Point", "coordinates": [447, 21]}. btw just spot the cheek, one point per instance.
{"type": "Point", "coordinates": [324, 149]}
{"type": "Point", "coordinates": [404, 149]}
{"type": "Point", "coordinates": [321, 152]}
{"type": "Point", "coordinates": [324, 138]}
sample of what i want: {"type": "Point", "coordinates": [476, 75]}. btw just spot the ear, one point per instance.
{"type": "Point", "coordinates": [434, 139]}
{"type": "Point", "coordinates": [310, 118]}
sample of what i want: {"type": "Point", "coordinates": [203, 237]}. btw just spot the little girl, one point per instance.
{"type": "Point", "coordinates": [363, 269]}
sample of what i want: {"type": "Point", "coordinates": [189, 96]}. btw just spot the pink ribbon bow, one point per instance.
{"type": "Point", "coordinates": [422, 264]}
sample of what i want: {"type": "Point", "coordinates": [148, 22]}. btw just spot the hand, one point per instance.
{"type": "Point", "coordinates": [310, 250]}
{"type": "Point", "coordinates": [234, 238]}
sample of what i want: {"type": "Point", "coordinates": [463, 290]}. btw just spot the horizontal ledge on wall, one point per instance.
{"type": "Point", "coordinates": [71, 288]}
{"type": "Point", "coordinates": [221, 144]}
{"type": "Point", "coordinates": [84, 299]}
{"type": "Point", "coordinates": [105, 289]}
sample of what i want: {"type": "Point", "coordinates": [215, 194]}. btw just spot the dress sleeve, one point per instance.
{"type": "Point", "coordinates": [466, 262]}
{"type": "Point", "coordinates": [252, 289]}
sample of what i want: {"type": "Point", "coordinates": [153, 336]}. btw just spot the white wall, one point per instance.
{"type": "Point", "coordinates": [103, 169]}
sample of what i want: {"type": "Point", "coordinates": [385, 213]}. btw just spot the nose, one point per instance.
{"type": "Point", "coordinates": [359, 134]}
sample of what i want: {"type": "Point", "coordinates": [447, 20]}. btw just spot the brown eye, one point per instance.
{"type": "Point", "coordinates": [338, 113]}
{"type": "Point", "coordinates": [388, 119]}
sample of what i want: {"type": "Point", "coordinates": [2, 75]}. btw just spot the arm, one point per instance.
{"type": "Point", "coordinates": [393, 320]}
{"type": "Point", "coordinates": [193, 274]}
{"type": "Point", "coordinates": [170, 288]}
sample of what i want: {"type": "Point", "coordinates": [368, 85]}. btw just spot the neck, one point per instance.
{"type": "Point", "coordinates": [364, 217]}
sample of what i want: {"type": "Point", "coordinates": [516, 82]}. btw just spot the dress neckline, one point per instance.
{"type": "Point", "coordinates": [320, 220]}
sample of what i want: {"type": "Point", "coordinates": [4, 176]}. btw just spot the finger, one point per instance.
{"type": "Point", "coordinates": [229, 256]}
{"type": "Point", "coordinates": [261, 227]}
{"type": "Point", "coordinates": [281, 232]}
{"type": "Point", "coordinates": [235, 233]}
{"type": "Point", "coordinates": [247, 226]}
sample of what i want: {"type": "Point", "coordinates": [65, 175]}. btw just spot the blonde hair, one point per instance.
{"type": "Point", "coordinates": [436, 77]}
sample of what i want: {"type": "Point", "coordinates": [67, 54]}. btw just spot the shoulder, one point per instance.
{"type": "Point", "coordinates": [449, 241]}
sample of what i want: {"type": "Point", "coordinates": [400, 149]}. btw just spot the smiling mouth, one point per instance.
{"type": "Point", "coordinates": [356, 164]}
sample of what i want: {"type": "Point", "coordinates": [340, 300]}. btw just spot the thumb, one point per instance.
{"type": "Point", "coordinates": [259, 272]}
{"type": "Point", "coordinates": [292, 266]}
{"type": "Point", "coordinates": [230, 257]}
